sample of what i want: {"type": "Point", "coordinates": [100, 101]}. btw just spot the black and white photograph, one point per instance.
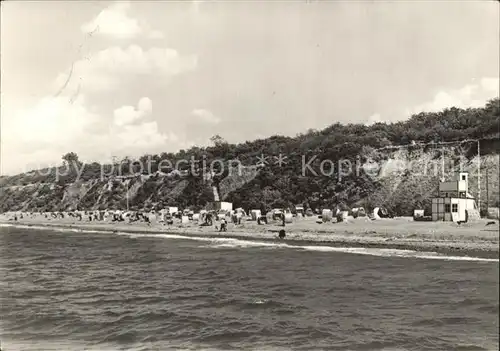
{"type": "Point", "coordinates": [268, 175]}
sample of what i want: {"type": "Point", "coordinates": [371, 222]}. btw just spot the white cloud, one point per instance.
{"type": "Point", "coordinates": [375, 118]}
{"type": "Point", "coordinates": [145, 104]}
{"type": "Point", "coordinates": [206, 116]}
{"type": "Point", "coordinates": [105, 69]}
{"type": "Point", "coordinates": [471, 95]}
{"type": "Point", "coordinates": [491, 84]}
{"type": "Point", "coordinates": [39, 136]}
{"type": "Point", "coordinates": [114, 21]}
{"type": "Point", "coordinates": [155, 34]}
{"type": "Point", "coordinates": [128, 114]}
{"type": "Point", "coordinates": [52, 121]}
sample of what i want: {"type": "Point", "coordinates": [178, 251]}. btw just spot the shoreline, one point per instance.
{"type": "Point", "coordinates": [472, 240]}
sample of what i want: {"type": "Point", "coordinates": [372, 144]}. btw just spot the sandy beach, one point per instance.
{"type": "Point", "coordinates": [400, 233]}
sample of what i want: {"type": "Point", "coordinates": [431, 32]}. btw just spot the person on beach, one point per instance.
{"type": "Point", "coordinates": [223, 225]}
{"type": "Point", "coordinates": [282, 234]}
{"type": "Point", "coordinates": [169, 221]}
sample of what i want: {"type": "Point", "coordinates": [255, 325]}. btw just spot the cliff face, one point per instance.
{"type": "Point", "coordinates": [29, 193]}
{"type": "Point", "coordinates": [403, 189]}
{"type": "Point", "coordinates": [399, 179]}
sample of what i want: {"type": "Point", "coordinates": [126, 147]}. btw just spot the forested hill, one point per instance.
{"type": "Point", "coordinates": [268, 180]}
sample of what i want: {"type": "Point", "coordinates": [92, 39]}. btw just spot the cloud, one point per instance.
{"type": "Point", "coordinates": [52, 120]}
{"type": "Point", "coordinates": [375, 118]}
{"type": "Point", "coordinates": [491, 84]}
{"type": "Point", "coordinates": [155, 34]}
{"type": "Point", "coordinates": [106, 69]}
{"type": "Point", "coordinates": [206, 116]}
{"type": "Point", "coordinates": [145, 104]}
{"type": "Point", "coordinates": [65, 122]}
{"type": "Point", "coordinates": [128, 114]}
{"type": "Point", "coordinates": [115, 22]}
{"type": "Point", "coordinates": [33, 134]}
{"type": "Point", "coordinates": [471, 95]}
{"type": "Point", "coordinates": [37, 137]}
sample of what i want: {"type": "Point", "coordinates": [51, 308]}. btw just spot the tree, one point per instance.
{"type": "Point", "coordinates": [218, 140]}
{"type": "Point", "coordinates": [124, 166]}
{"type": "Point", "coordinates": [70, 157]}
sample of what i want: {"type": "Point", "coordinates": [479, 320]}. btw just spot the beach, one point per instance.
{"type": "Point", "coordinates": [475, 238]}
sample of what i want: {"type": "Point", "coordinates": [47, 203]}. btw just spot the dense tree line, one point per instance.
{"type": "Point", "coordinates": [284, 184]}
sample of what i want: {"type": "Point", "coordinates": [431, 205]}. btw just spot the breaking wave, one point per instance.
{"type": "Point", "coordinates": [239, 243]}
{"type": "Point", "coordinates": [381, 252]}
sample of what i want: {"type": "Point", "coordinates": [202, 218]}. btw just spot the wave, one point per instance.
{"type": "Point", "coordinates": [238, 243]}
{"type": "Point", "coordinates": [20, 345]}
{"type": "Point", "coordinates": [381, 252]}
{"type": "Point", "coordinates": [53, 228]}
{"type": "Point", "coordinates": [430, 255]}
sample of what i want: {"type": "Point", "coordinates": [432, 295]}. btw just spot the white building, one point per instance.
{"type": "Point", "coordinates": [454, 203]}
{"type": "Point", "coordinates": [220, 206]}
{"type": "Point", "coordinates": [172, 209]}
{"type": "Point", "coordinates": [299, 209]}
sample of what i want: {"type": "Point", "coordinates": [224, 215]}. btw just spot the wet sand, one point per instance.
{"type": "Point", "coordinates": [400, 233]}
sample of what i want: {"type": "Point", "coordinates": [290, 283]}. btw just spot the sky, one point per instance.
{"type": "Point", "coordinates": [106, 79]}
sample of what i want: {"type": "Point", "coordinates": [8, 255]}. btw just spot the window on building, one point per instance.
{"type": "Point", "coordinates": [447, 208]}
{"type": "Point", "coordinates": [463, 176]}
{"type": "Point", "coordinates": [454, 207]}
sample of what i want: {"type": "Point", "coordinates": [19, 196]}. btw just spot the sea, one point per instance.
{"type": "Point", "coordinates": [88, 290]}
